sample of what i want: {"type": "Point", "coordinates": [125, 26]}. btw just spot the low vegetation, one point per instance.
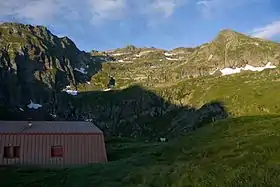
{"type": "Point", "coordinates": [247, 93]}
{"type": "Point", "coordinates": [241, 151]}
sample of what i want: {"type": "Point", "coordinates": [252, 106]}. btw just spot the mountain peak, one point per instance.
{"type": "Point", "coordinates": [22, 25]}
{"type": "Point", "coordinates": [17, 28]}
{"type": "Point", "coordinates": [227, 35]}
{"type": "Point", "coordinates": [227, 31]}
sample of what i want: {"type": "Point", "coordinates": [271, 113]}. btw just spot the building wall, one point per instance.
{"type": "Point", "coordinates": [35, 149]}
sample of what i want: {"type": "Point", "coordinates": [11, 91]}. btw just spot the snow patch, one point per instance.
{"type": "Point", "coordinates": [168, 54]}
{"type": "Point", "coordinates": [120, 60]}
{"type": "Point", "coordinates": [33, 105]}
{"type": "Point", "coordinates": [53, 115]}
{"type": "Point", "coordinates": [172, 59]}
{"type": "Point", "coordinates": [229, 71]}
{"type": "Point", "coordinates": [72, 92]}
{"type": "Point", "coordinates": [162, 139]}
{"type": "Point", "coordinates": [210, 57]}
{"type": "Point", "coordinates": [69, 91]}
{"type": "Point", "coordinates": [21, 53]}
{"type": "Point", "coordinates": [107, 89]}
{"type": "Point", "coordinates": [118, 54]}
{"type": "Point", "coordinates": [81, 70]}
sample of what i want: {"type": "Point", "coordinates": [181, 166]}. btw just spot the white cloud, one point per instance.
{"type": "Point", "coordinates": [157, 11]}
{"type": "Point", "coordinates": [208, 6]}
{"type": "Point", "coordinates": [211, 7]}
{"type": "Point", "coordinates": [267, 31]}
{"type": "Point", "coordinates": [106, 9]}
{"type": "Point", "coordinates": [31, 10]}
{"type": "Point", "coordinates": [165, 7]}
{"type": "Point", "coordinates": [91, 11]}
{"type": "Point", "coordinates": [36, 10]}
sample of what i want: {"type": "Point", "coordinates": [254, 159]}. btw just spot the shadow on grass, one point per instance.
{"type": "Point", "coordinates": [136, 112]}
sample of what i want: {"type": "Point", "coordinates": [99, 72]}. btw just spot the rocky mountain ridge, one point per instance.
{"type": "Point", "coordinates": [34, 60]}
{"type": "Point", "coordinates": [47, 77]}
{"type": "Point", "coordinates": [154, 67]}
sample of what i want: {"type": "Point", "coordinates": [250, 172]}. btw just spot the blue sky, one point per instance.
{"type": "Point", "coordinates": [108, 24]}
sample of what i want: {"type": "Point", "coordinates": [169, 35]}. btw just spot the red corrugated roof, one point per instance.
{"type": "Point", "coordinates": [48, 127]}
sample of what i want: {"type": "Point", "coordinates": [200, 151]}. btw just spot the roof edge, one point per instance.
{"type": "Point", "coordinates": [52, 133]}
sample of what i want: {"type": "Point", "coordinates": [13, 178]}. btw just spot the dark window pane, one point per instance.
{"type": "Point", "coordinates": [17, 151]}
{"type": "Point", "coordinates": [8, 152]}
{"type": "Point", "coordinates": [56, 151]}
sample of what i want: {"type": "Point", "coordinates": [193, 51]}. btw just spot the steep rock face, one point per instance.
{"type": "Point", "coordinates": [34, 63]}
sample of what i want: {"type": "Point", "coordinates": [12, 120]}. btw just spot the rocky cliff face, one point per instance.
{"type": "Point", "coordinates": [35, 64]}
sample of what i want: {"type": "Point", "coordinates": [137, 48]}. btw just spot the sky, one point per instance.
{"type": "Point", "coordinates": [108, 24]}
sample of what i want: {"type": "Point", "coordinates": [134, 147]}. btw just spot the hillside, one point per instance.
{"type": "Point", "coordinates": [153, 67]}
{"type": "Point", "coordinates": [236, 152]}
{"type": "Point", "coordinates": [158, 111]}
{"type": "Point", "coordinates": [217, 104]}
{"type": "Point", "coordinates": [153, 92]}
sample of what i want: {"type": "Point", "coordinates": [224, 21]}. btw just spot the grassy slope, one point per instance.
{"type": "Point", "coordinates": [236, 152]}
{"type": "Point", "coordinates": [250, 93]}
{"type": "Point", "coordinates": [241, 151]}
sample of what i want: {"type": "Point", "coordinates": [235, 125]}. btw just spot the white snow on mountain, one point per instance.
{"type": "Point", "coordinates": [70, 91]}
{"type": "Point", "coordinates": [81, 70]}
{"type": "Point", "coordinates": [34, 105]}
{"type": "Point", "coordinates": [229, 71]}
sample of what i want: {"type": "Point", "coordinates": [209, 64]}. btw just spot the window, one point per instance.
{"type": "Point", "coordinates": [56, 151]}
{"type": "Point", "coordinates": [16, 151]}
{"type": "Point", "coordinates": [11, 152]}
{"type": "Point", "coordinates": [8, 152]}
